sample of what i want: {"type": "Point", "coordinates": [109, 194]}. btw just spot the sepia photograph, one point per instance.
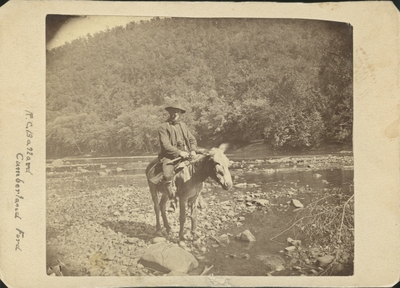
{"type": "Point", "coordinates": [236, 132]}
{"type": "Point", "coordinates": [199, 144]}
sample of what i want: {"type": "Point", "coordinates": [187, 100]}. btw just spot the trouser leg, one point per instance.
{"type": "Point", "coordinates": [168, 171]}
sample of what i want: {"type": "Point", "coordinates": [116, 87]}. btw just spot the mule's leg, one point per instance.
{"type": "Point", "coordinates": [182, 217]}
{"type": "Point", "coordinates": [163, 201]}
{"type": "Point", "coordinates": [153, 191]}
{"type": "Point", "coordinates": [193, 214]}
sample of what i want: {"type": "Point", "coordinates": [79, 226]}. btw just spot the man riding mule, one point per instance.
{"type": "Point", "coordinates": [176, 143]}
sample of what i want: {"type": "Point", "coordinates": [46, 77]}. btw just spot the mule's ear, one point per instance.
{"type": "Point", "coordinates": [223, 147]}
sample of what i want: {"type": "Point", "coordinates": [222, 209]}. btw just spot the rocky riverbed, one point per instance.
{"type": "Point", "coordinates": [103, 223]}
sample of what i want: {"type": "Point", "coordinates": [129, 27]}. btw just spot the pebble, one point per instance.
{"type": "Point", "coordinates": [296, 203]}
{"type": "Point", "coordinates": [223, 219]}
{"type": "Point", "coordinates": [314, 272]}
{"type": "Point", "coordinates": [182, 244]}
{"type": "Point", "coordinates": [231, 213]}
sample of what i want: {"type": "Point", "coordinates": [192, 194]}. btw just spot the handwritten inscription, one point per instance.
{"type": "Point", "coordinates": [19, 236]}
{"type": "Point", "coordinates": [18, 185]}
{"type": "Point", "coordinates": [22, 165]}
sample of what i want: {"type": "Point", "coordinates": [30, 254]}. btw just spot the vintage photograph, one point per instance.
{"type": "Point", "coordinates": [199, 146]}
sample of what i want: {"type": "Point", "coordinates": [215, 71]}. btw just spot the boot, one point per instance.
{"type": "Point", "coordinates": [170, 188]}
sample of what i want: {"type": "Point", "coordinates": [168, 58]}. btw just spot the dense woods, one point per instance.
{"type": "Point", "coordinates": [287, 82]}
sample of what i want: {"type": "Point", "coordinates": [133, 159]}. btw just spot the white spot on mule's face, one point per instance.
{"type": "Point", "coordinates": [221, 164]}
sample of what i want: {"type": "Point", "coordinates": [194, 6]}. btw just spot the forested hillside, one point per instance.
{"type": "Point", "coordinates": [288, 82]}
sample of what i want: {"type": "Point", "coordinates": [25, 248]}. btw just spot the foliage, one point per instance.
{"type": "Point", "coordinates": [285, 81]}
{"type": "Point", "coordinates": [328, 222]}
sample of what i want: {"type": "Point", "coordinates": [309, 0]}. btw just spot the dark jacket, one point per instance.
{"type": "Point", "coordinates": [169, 141]}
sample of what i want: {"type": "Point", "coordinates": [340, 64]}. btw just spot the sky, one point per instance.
{"type": "Point", "coordinates": [77, 27]}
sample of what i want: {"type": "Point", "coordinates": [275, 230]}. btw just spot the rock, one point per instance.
{"type": "Point", "coordinates": [201, 203]}
{"type": "Point", "coordinates": [119, 169]}
{"type": "Point", "coordinates": [297, 203]}
{"type": "Point", "coordinates": [171, 257]}
{"type": "Point", "coordinates": [241, 218]}
{"type": "Point", "coordinates": [244, 256]}
{"type": "Point", "coordinates": [132, 240]}
{"type": "Point", "coordinates": [102, 166]}
{"type": "Point", "coordinates": [231, 213]}
{"type": "Point", "coordinates": [316, 175]}
{"type": "Point", "coordinates": [203, 249]}
{"type": "Point", "coordinates": [337, 268]}
{"type": "Point", "coordinates": [273, 262]}
{"type": "Point", "coordinates": [159, 239]}
{"type": "Point", "coordinates": [241, 185]}
{"type": "Point", "coordinates": [223, 219]}
{"type": "Point", "coordinates": [95, 272]}
{"type": "Point", "coordinates": [296, 243]}
{"type": "Point", "coordinates": [224, 239]}
{"type": "Point", "coordinates": [325, 182]}
{"type": "Point", "coordinates": [348, 168]}
{"type": "Point", "coordinates": [57, 163]}
{"type": "Point", "coordinates": [314, 272]}
{"type": "Point", "coordinates": [197, 243]}
{"type": "Point", "coordinates": [325, 260]}
{"type": "Point", "coordinates": [290, 249]}
{"type": "Point", "coordinates": [239, 224]}
{"type": "Point", "coordinates": [177, 273]}
{"type": "Point", "coordinates": [262, 202]}
{"type": "Point", "coordinates": [253, 185]}
{"type": "Point", "coordinates": [246, 236]}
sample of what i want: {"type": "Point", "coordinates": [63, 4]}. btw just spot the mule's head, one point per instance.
{"type": "Point", "coordinates": [221, 167]}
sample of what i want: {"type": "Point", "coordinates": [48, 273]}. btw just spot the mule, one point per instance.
{"type": "Point", "coordinates": [189, 183]}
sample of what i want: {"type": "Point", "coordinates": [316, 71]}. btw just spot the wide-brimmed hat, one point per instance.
{"type": "Point", "coordinates": [176, 105]}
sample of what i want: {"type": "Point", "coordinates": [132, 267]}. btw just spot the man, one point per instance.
{"type": "Point", "coordinates": [175, 141]}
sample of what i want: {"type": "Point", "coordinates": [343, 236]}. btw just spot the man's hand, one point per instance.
{"type": "Point", "coordinates": [193, 153]}
{"type": "Point", "coordinates": [184, 154]}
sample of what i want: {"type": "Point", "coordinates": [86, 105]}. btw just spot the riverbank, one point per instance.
{"type": "Point", "coordinates": [102, 224]}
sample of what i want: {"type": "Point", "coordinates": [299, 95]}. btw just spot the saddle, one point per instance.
{"type": "Point", "coordinates": [158, 171]}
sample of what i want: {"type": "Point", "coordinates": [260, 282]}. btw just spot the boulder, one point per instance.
{"type": "Point", "coordinates": [246, 236]}
{"type": "Point", "coordinates": [171, 257]}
